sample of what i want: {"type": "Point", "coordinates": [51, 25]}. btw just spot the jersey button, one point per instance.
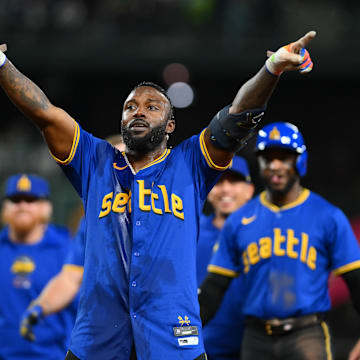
{"type": "Point", "coordinates": [136, 253]}
{"type": "Point", "coordinates": [138, 223]}
{"type": "Point", "coordinates": [133, 284]}
{"type": "Point", "coordinates": [134, 316]}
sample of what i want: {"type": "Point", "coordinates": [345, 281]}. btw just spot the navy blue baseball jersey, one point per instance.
{"type": "Point", "coordinates": [223, 334]}
{"type": "Point", "coordinates": [141, 229]}
{"type": "Point", "coordinates": [285, 254]}
{"type": "Point", "coordinates": [24, 271]}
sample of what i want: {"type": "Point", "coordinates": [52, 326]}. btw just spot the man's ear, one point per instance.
{"type": "Point", "coordinates": [170, 126]}
{"type": "Point", "coordinates": [4, 212]}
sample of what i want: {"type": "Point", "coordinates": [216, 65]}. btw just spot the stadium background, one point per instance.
{"type": "Point", "coordinates": [88, 54]}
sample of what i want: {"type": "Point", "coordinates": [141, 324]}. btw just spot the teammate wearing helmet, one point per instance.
{"type": "Point", "coordinates": [284, 243]}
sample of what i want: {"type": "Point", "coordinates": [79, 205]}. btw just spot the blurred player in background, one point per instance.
{"type": "Point", "coordinates": [31, 252]}
{"type": "Point", "coordinates": [222, 335]}
{"type": "Point", "coordinates": [232, 191]}
{"type": "Point", "coordinates": [62, 289]}
{"type": "Point", "coordinates": [284, 243]}
{"type": "Point", "coordinates": [142, 208]}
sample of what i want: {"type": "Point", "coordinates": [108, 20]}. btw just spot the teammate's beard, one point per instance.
{"type": "Point", "coordinates": [280, 192]}
{"type": "Point", "coordinates": [144, 144]}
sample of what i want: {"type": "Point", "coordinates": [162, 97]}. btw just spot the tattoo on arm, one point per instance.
{"type": "Point", "coordinates": [26, 95]}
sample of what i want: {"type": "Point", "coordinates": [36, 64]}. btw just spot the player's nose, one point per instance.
{"type": "Point", "coordinates": [139, 113]}
{"type": "Point", "coordinates": [225, 185]}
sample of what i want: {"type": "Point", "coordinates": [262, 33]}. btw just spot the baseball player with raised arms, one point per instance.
{"type": "Point", "coordinates": [138, 299]}
{"type": "Point", "coordinates": [284, 243]}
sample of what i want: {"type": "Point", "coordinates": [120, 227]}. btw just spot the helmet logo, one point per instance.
{"type": "Point", "coordinates": [24, 184]}
{"type": "Point", "coordinates": [274, 134]}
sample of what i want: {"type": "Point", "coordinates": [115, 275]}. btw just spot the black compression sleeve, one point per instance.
{"type": "Point", "coordinates": [211, 294]}
{"type": "Point", "coordinates": [352, 279]}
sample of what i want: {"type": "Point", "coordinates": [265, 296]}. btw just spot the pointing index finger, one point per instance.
{"type": "Point", "coordinates": [302, 42]}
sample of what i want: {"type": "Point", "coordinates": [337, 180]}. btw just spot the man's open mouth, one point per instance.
{"type": "Point", "coordinates": [138, 124]}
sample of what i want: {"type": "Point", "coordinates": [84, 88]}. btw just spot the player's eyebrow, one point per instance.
{"type": "Point", "coordinates": [154, 100]}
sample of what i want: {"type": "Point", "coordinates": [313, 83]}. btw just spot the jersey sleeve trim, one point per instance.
{"type": "Point", "coordinates": [73, 148]}
{"type": "Point", "coordinates": [346, 268]}
{"type": "Point", "coordinates": [72, 267]}
{"type": "Point", "coordinates": [207, 157]}
{"type": "Point", "coordinates": [222, 271]}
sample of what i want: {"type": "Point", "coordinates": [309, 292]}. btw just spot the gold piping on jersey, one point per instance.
{"type": "Point", "coordinates": [222, 271]}
{"type": "Point", "coordinates": [73, 147]}
{"type": "Point", "coordinates": [301, 199]}
{"type": "Point", "coordinates": [327, 340]}
{"type": "Point", "coordinates": [162, 157]}
{"type": "Point", "coordinates": [73, 267]}
{"type": "Point", "coordinates": [207, 157]}
{"type": "Point", "coordinates": [346, 268]}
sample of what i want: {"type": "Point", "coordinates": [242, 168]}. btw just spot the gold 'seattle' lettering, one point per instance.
{"type": "Point", "coordinates": [149, 200]}
{"type": "Point", "coordinates": [129, 206]}
{"type": "Point", "coordinates": [142, 193]}
{"type": "Point", "coordinates": [292, 241]}
{"type": "Point", "coordinates": [311, 259]}
{"type": "Point", "coordinates": [165, 197]}
{"type": "Point", "coordinates": [120, 201]}
{"type": "Point", "coordinates": [245, 262]}
{"type": "Point", "coordinates": [265, 247]}
{"type": "Point", "coordinates": [155, 209]}
{"type": "Point", "coordinates": [253, 252]}
{"type": "Point", "coordinates": [106, 204]}
{"type": "Point", "coordinates": [280, 245]}
{"type": "Point", "coordinates": [177, 206]}
{"type": "Point", "coordinates": [304, 246]}
{"type": "Point", "coordinates": [278, 240]}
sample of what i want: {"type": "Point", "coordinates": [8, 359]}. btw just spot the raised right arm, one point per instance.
{"type": "Point", "coordinates": [56, 125]}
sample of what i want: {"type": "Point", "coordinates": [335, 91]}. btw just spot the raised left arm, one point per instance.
{"type": "Point", "coordinates": [233, 125]}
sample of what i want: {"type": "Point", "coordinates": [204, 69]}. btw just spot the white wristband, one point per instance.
{"type": "Point", "coordinates": [2, 59]}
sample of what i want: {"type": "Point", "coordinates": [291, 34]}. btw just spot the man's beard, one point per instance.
{"type": "Point", "coordinates": [146, 143]}
{"type": "Point", "coordinates": [280, 192]}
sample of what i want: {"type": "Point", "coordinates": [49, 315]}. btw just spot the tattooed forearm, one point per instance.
{"type": "Point", "coordinates": [27, 96]}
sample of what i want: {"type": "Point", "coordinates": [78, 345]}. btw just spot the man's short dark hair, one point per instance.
{"type": "Point", "coordinates": [162, 91]}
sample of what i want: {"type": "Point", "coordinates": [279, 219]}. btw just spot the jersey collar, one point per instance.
{"type": "Point", "coordinates": [301, 199]}
{"type": "Point", "coordinates": [161, 158]}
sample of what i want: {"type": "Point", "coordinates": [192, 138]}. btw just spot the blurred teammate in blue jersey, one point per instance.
{"type": "Point", "coordinates": [284, 244]}
{"type": "Point", "coordinates": [31, 252]}
{"type": "Point", "coordinates": [62, 288]}
{"type": "Point", "coordinates": [138, 299]}
{"type": "Point", "coordinates": [222, 335]}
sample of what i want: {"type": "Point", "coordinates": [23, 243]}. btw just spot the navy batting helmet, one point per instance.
{"type": "Point", "coordinates": [287, 136]}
